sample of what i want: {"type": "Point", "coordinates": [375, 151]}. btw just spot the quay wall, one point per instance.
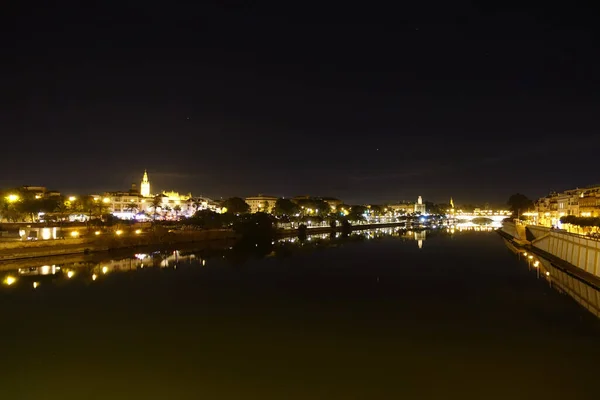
{"type": "Point", "coordinates": [577, 250]}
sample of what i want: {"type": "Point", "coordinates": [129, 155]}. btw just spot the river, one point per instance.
{"type": "Point", "coordinates": [382, 314]}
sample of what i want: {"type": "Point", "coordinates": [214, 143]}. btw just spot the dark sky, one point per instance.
{"type": "Point", "coordinates": [365, 103]}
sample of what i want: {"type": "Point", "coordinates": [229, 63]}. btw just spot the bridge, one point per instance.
{"type": "Point", "coordinates": [497, 217]}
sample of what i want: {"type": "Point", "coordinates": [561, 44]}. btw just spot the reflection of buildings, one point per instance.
{"type": "Point", "coordinates": [586, 295]}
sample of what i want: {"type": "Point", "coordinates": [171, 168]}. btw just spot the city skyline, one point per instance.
{"type": "Point", "coordinates": [354, 103]}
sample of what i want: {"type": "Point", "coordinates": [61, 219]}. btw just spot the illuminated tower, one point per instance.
{"type": "Point", "coordinates": [419, 206]}
{"type": "Point", "coordinates": [145, 186]}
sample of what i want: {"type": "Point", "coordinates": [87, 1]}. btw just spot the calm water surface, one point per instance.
{"type": "Point", "coordinates": [371, 317]}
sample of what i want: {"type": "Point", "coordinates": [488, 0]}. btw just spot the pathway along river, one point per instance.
{"type": "Point", "coordinates": [373, 316]}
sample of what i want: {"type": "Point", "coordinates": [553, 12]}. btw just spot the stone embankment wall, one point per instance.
{"type": "Point", "coordinates": [43, 248]}
{"type": "Point", "coordinates": [577, 250]}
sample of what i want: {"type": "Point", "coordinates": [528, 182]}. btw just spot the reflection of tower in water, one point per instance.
{"type": "Point", "coordinates": [419, 237]}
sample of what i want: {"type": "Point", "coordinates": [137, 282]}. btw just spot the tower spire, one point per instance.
{"type": "Point", "coordinates": [145, 186]}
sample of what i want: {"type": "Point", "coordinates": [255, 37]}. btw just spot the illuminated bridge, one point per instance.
{"type": "Point", "coordinates": [496, 217]}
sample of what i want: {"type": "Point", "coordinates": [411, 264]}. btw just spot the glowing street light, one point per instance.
{"type": "Point", "coordinates": [138, 231]}
{"type": "Point", "coordinates": [70, 274]}
{"type": "Point", "coordinates": [106, 200]}
{"type": "Point", "coordinates": [10, 280]}
{"type": "Point", "coordinates": [72, 198]}
{"type": "Point", "coordinates": [104, 270]}
{"type": "Point", "coordinates": [74, 234]}
{"type": "Point", "coordinates": [119, 232]}
{"type": "Point", "coordinates": [94, 277]}
{"type": "Point", "coordinates": [36, 284]}
{"type": "Point", "coordinates": [12, 198]}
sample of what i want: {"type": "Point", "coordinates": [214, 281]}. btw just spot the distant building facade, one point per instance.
{"type": "Point", "coordinates": [580, 202]}
{"type": "Point", "coordinates": [261, 203]}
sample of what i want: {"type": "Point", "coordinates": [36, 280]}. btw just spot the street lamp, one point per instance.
{"type": "Point", "coordinates": [12, 198]}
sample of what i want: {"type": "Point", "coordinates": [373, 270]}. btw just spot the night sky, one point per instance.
{"type": "Point", "coordinates": [364, 103]}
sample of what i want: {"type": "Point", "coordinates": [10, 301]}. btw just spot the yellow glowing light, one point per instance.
{"type": "Point", "coordinates": [547, 273]}
{"type": "Point", "coordinates": [530, 257]}
{"type": "Point", "coordinates": [525, 254]}
{"type": "Point", "coordinates": [138, 231]}
{"type": "Point", "coordinates": [119, 232]}
{"type": "Point", "coordinates": [94, 277]}
{"type": "Point", "coordinates": [74, 234]}
{"type": "Point", "coordinates": [46, 233]}
{"type": "Point", "coordinates": [223, 210]}
{"type": "Point", "coordinates": [72, 198]}
{"type": "Point", "coordinates": [36, 284]}
{"type": "Point", "coordinates": [203, 262]}
{"type": "Point", "coordinates": [12, 198]}
{"type": "Point", "coordinates": [38, 196]}
{"type": "Point", "coordinates": [535, 264]}
{"type": "Point", "coordinates": [70, 274]}
{"type": "Point", "coordinates": [104, 270]}
{"type": "Point", "coordinates": [106, 200]}
{"type": "Point", "coordinates": [10, 280]}
{"type": "Point", "coordinates": [97, 233]}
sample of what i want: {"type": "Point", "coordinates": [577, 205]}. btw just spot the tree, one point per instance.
{"type": "Point", "coordinates": [155, 204]}
{"type": "Point", "coordinates": [236, 205]}
{"type": "Point", "coordinates": [285, 207]}
{"type": "Point", "coordinates": [132, 207]}
{"type": "Point", "coordinates": [357, 213]}
{"type": "Point", "coordinates": [376, 210]}
{"type": "Point", "coordinates": [207, 219]}
{"type": "Point", "coordinates": [177, 210]}
{"type": "Point", "coordinates": [519, 203]}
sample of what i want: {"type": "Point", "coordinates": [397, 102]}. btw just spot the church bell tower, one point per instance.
{"type": "Point", "coordinates": [145, 186]}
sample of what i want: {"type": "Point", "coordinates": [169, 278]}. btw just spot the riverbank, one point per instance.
{"type": "Point", "coordinates": [19, 250]}
{"type": "Point", "coordinates": [556, 262]}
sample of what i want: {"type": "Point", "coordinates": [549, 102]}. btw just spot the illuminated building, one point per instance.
{"type": "Point", "coordinates": [261, 203]}
{"type": "Point", "coordinates": [419, 206]}
{"type": "Point", "coordinates": [145, 185]}
{"type": "Point", "coordinates": [401, 208]}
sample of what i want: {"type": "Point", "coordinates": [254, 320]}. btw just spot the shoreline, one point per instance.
{"type": "Point", "coordinates": [18, 250]}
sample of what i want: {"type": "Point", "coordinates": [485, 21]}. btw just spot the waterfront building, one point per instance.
{"type": "Point", "coordinates": [261, 203]}
{"type": "Point", "coordinates": [125, 205]}
{"type": "Point", "coordinates": [401, 208]}
{"type": "Point", "coordinates": [420, 207]}
{"type": "Point", "coordinates": [589, 203]}
{"type": "Point", "coordinates": [139, 204]}
{"type": "Point", "coordinates": [580, 202]}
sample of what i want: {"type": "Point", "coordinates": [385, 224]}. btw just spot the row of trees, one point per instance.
{"type": "Point", "coordinates": [584, 222]}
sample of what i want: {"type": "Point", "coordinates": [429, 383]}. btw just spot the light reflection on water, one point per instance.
{"type": "Point", "coordinates": [583, 293]}
{"type": "Point", "coordinates": [93, 271]}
